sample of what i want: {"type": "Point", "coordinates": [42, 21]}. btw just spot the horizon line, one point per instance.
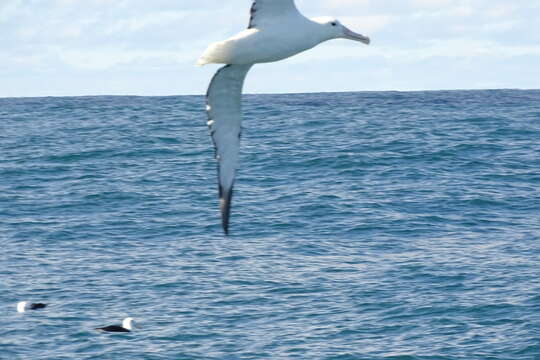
{"type": "Point", "coordinates": [269, 93]}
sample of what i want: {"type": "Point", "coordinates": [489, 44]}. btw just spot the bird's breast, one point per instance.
{"type": "Point", "coordinates": [261, 47]}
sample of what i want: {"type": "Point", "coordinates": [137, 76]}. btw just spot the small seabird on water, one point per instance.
{"type": "Point", "coordinates": [276, 31]}
{"type": "Point", "coordinates": [126, 326]}
{"type": "Point", "coordinates": [23, 305]}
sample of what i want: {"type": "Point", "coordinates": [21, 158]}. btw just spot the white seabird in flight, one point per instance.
{"type": "Point", "coordinates": [276, 31]}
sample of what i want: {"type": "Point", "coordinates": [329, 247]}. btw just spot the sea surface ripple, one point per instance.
{"type": "Point", "coordinates": [369, 225]}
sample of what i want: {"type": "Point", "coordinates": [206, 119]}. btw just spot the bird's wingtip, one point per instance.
{"type": "Point", "coordinates": [225, 207]}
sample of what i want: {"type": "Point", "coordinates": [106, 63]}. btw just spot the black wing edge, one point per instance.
{"type": "Point", "coordinates": [225, 198]}
{"type": "Point", "coordinates": [252, 12]}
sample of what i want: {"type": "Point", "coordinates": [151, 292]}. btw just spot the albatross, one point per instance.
{"type": "Point", "coordinates": [276, 31]}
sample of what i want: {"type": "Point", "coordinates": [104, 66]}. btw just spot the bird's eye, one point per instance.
{"type": "Point", "coordinates": [334, 23]}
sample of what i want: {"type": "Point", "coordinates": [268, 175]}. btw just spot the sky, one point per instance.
{"type": "Point", "coordinates": [149, 47]}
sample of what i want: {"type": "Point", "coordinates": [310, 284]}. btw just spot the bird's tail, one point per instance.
{"type": "Point", "coordinates": [202, 61]}
{"type": "Point", "coordinates": [215, 53]}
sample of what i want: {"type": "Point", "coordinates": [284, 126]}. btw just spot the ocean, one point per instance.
{"type": "Point", "coordinates": [365, 225]}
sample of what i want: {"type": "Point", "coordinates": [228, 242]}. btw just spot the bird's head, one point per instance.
{"type": "Point", "coordinates": [332, 29]}
{"type": "Point", "coordinates": [21, 306]}
{"type": "Point", "coordinates": [128, 323]}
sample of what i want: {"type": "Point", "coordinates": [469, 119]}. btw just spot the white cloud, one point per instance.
{"type": "Point", "coordinates": [368, 24]}
{"type": "Point", "coordinates": [110, 58]}
{"type": "Point", "coordinates": [432, 3]}
{"type": "Point", "coordinates": [43, 39]}
{"type": "Point", "coordinates": [138, 23]}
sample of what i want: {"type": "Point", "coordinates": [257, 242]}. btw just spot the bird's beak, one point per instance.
{"type": "Point", "coordinates": [351, 35]}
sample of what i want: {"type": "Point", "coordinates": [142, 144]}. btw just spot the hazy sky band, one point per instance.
{"type": "Point", "coordinates": [140, 47]}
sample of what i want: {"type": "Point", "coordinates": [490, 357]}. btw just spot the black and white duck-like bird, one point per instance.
{"type": "Point", "coordinates": [127, 326]}
{"type": "Point", "coordinates": [276, 30]}
{"type": "Point", "coordinates": [22, 306]}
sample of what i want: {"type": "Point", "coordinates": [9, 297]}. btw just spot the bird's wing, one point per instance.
{"type": "Point", "coordinates": [223, 105]}
{"type": "Point", "coordinates": [270, 12]}
{"type": "Point", "coordinates": [113, 328]}
{"type": "Point", "coordinates": [35, 306]}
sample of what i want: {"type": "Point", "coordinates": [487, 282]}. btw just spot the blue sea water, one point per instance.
{"type": "Point", "coordinates": [370, 225]}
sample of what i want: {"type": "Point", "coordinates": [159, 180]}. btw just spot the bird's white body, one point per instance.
{"type": "Point", "coordinates": [253, 46]}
